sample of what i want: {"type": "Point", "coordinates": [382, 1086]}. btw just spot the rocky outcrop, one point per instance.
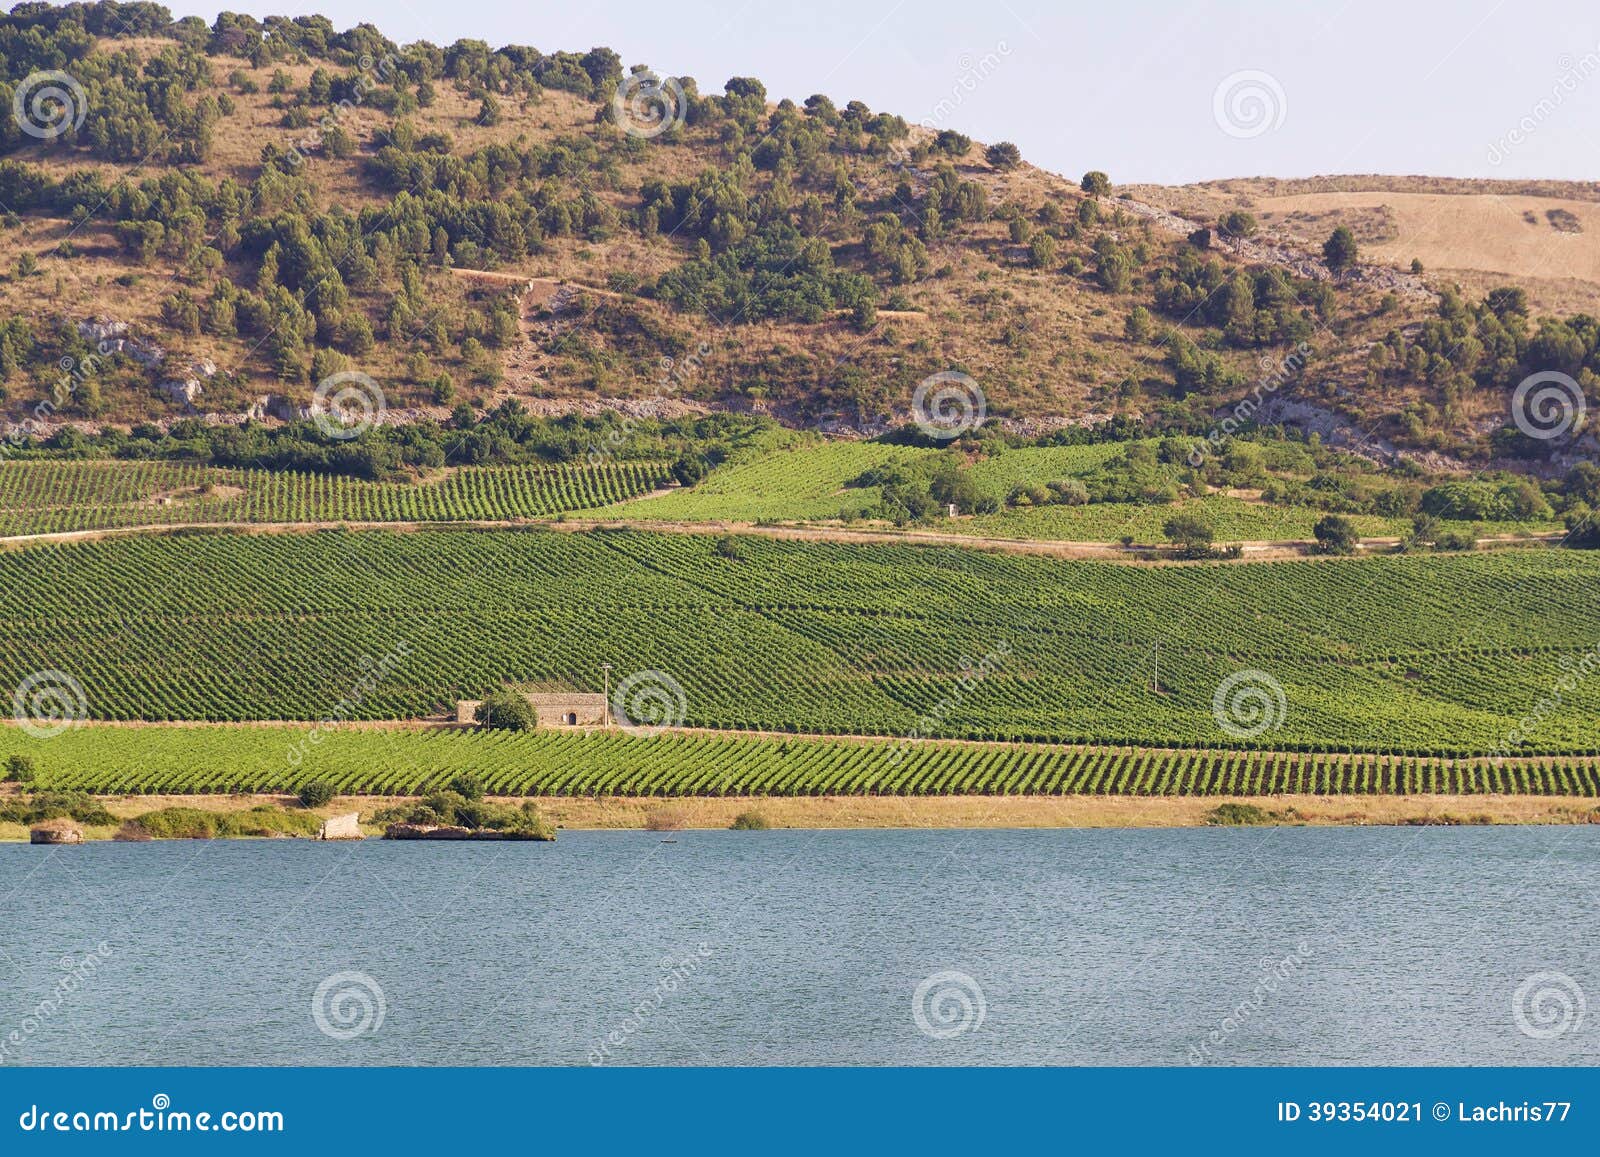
{"type": "Point", "coordinates": [56, 832]}
{"type": "Point", "coordinates": [345, 827]}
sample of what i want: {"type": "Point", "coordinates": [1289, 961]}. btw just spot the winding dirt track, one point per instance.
{"type": "Point", "coordinates": [1108, 552]}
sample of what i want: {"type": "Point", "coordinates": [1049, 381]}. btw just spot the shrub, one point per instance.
{"type": "Point", "coordinates": [53, 805]}
{"type": "Point", "coordinates": [317, 793]}
{"type": "Point", "coordinates": [20, 769]}
{"type": "Point", "coordinates": [1335, 535]}
{"type": "Point", "coordinates": [468, 787]}
{"type": "Point", "coordinates": [1237, 815]}
{"type": "Point", "coordinates": [749, 822]}
{"type": "Point", "coordinates": [1004, 155]}
{"type": "Point", "coordinates": [664, 820]}
{"type": "Point", "coordinates": [188, 823]}
{"type": "Point", "coordinates": [506, 711]}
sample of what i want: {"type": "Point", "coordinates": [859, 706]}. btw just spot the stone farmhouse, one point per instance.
{"type": "Point", "coordinates": [558, 709]}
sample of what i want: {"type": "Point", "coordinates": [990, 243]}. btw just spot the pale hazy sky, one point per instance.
{"type": "Point", "coordinates": [1148, 90]}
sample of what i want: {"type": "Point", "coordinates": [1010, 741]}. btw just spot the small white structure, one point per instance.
{"type": "Point", "coordinates": [345, 827]}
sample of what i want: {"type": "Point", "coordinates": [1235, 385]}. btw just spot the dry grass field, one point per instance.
{"type": "Point", "coordinates": [1543, 236]}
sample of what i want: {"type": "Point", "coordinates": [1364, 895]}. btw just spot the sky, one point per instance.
{"type": "Point", "coordinates": [1145, 90]}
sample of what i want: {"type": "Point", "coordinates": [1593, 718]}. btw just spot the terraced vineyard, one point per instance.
{"type": "Point", "coordinates": [388, 761]}
{"type": "Point", "coordinates": [50, 496]}
{"type": "Point", "coordinates": [1416, 654]}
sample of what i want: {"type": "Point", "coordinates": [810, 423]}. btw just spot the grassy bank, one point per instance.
{"type": "Point", "coordinates": [179, 816]}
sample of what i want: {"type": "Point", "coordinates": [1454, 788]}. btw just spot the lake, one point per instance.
{"type": "Point", "coordinates": [1384, 946]}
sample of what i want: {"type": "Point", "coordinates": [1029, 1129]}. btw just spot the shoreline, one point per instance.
{"type": "Point", "coordinates": [957, 812]}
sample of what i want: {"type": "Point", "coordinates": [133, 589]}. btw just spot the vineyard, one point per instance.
{"type": "Point", "coordinates": [390, 761]}
{"type": "Point", "coordinates": [45, 497]}
{"type": "Point", "coordinates": [1418, 655]}
{"type": "Point", "coordinates": [812, 483]}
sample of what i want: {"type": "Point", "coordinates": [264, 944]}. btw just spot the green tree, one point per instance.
{"type": "Point", "coordinates": [317, 793]}
{"type": "Point", "coordinates": [1335, 534]}
{"type": "Point", "coordinates": [1042, 251]}
{"type": "Point", "coordinates": [506, 711]}
{"type": "Point", "coordinates": [1095, 183]}
{"type": "Point", "coordinates": [1003, 155]}
{"type": "Point", "coordinates": [1190, 533]}
{"type": "Point", "coordinates": [1237, 225]}
{"type": "Point", "coordinates": [1339, 251]}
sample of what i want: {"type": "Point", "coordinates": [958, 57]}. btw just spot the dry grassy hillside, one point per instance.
{"type": "Point", "coordinates": [492, 230]}
{"type": "Point", "coordinates": [1541, 235]}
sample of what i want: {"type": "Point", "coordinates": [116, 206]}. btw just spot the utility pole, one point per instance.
{"type": "Point", "coordinates": [606, 668]}
{"type": "Point", "coordinates": [1157, 685]}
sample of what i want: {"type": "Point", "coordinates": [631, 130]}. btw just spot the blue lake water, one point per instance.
{"type": "Point", "coordinates": [1240, 946]}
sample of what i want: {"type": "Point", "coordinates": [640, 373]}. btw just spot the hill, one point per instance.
{"type": "Point", "coordinates": [218, 220]}
{"type": "Point", "coordinates": [1422, 654]}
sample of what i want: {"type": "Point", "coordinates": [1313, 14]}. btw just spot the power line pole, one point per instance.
{"type": "Point", "coordinates": [606, 668]}
{"type": "Point", "coordinates": [1156, 687]}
